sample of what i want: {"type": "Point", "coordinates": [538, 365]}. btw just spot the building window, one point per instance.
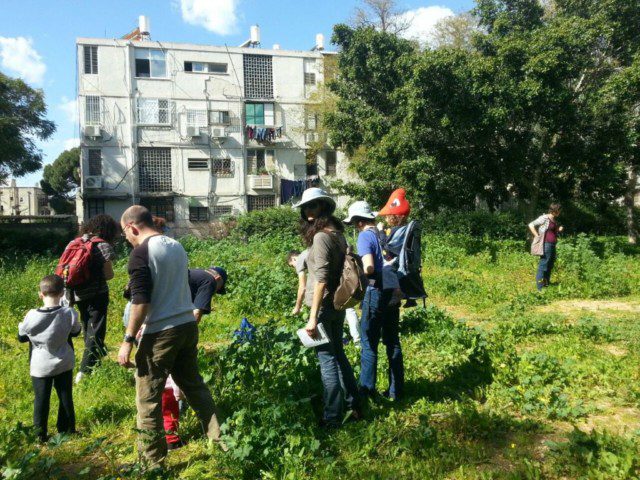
{"type": "Point", "coordinates": [197, 118]}
{"type": "Point", "coordinates": [95, 161]}
{"type": "Point", "coordinates": [259, 114]}
{"type": "Point", "coordinates": [300, 171]}
{"type": "Point", "coordinates": [159, 206]}
{"type": "Point", "coordinates": [218, 211]}
{"type": "Point", "coordinates": [43, 201]}
{"type": "Point", "coordinates": [21, 199]}
{"type": "Point", "coordinates": [311, 121]}
{"type": "Point", "coordinates": [198, 164]}
{"type": "Point", "coordinates": [150, 63]}
{"type": "Point", "coordinates": [258, 160]}
{"type": "Point", "coordinates": [222, 167]}
{"type": "Point", "coordinates": [309, 78]}
{"type": "Point", "coordinates": [153, 111]}
{"type": "Point", "coordinates": [258, 76]}
{"type": "Point", "coordinates": [95, 206]}
{"type": "Point", "coordinates": [205, 67]}
{"type": "Point", "coordinates": [331, 162]}
{"type": "Point", "coordinates": [92, 110]}
{"type": "Point", "coordinates": [312, 169]}
{"type": "Point", "coordinates": [260, 202]}
{"type": "Point", "coordinates": [91, 59]}
{"type": "Point", "coordinates": [198, 214]}
{"type": "Point", "coordinates": [154, 168]}
{"type": "Point", "coordinates": [219, 117]}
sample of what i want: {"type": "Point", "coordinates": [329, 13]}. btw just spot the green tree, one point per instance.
{"type": "Point", "coordinates": [22, 120]}
{"type": "Point", "coordinates": [61, 178]}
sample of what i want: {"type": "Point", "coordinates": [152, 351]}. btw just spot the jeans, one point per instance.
{"type": "Point", "coordinates": [173, 351]}
{"type": "Point", "coordinates": [93, 315]}
{"type": "Point", "coordinates": [547, 260]}
{"type": "Point", "coordinates": [380, 320]}
{"type": "Point", "coordinates": [335, 369]}
{"type": "Point", "coordinates": [63, 384]}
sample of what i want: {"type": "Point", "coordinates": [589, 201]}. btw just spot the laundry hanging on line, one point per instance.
{"type": "Point", "coordinates": [263, 134]}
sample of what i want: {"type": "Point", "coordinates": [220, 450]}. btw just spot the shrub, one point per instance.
{"type": "Point", "coordinates": [282, 221]}
{"type": "Point", "coordinates": [268, 385]}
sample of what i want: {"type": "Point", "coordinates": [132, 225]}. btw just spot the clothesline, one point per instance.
{"type": "Point", "coordinates": [293, 188]}
{"type": "Point", "coordinates": [263, 134]}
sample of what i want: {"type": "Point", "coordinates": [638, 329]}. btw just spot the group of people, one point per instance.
{"type": "Point", "coordinates": [167, 300]}
{"type": "Point", "coordinates": [323, 234]}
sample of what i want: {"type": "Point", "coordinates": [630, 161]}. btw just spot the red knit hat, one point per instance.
{"type": "Point", "coordinates": [397, 204]}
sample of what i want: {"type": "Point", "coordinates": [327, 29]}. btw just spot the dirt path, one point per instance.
{"type": "Point", "coordinates": [568, 306]}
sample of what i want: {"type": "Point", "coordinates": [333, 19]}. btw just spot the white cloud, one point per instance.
{"type": "Point", "coordinates": [19, 57]}
{"type": "Point", "coordinates": [218, 16]}
{"type": "Point", "coordinates": [71, 143]}
{"type": "Point", "coordinates": [70, 108]}
{"type": "Point", "coordinates": [422, 22]}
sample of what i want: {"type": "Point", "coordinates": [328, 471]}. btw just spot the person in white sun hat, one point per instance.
{"type": "Point", "coordinates": [374, 322]}
{"type": "Point", "coordinates": [323, 235]}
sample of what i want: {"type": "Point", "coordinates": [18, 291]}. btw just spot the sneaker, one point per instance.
{"type": "Point", "coordinates": [79, 377]}
{"type": "Point", "coordinates": [410, 303]}
{"type": "Point", "coordinates": [326, 425]}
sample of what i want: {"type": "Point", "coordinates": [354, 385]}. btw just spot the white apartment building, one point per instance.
{"type": "Point", "coordinates": [196, 132]}
{"type": "Point", "coordinates": [23, 201]}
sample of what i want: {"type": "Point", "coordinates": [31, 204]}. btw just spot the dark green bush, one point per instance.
{"type": "Point", "coordinates": [281, 221]}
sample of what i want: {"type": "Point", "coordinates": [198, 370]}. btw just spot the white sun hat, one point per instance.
{"type": "Point", "coordinates": [360, 209]}
{"type": "Point", "coordinates": [312, 194]}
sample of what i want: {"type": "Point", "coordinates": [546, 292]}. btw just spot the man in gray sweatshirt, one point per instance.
{"type": "Point", "coordinates": [161, 299]}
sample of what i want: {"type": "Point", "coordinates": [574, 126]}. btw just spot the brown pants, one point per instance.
{"type": "Point", "coordinates": [173, 351]}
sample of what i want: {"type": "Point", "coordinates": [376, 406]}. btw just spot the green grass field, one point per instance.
{"type": "Point", "coordinates": [502, 382]}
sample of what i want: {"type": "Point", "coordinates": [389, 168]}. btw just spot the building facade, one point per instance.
{"type": "Point", "coordinates": [196, 133]}
{"type": "Point", "coordinates": [23, 201]}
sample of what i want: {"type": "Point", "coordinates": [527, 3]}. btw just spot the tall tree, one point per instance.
{"type": "Point", "coordinates": [384, 15]}
{"type": "Point", "coordinates": [61, 178]}
{"type": "Point", "coordinates": [22, 120]}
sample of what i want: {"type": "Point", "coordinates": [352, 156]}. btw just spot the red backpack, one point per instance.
{"type": "Point", "coordinates": [74, 263]}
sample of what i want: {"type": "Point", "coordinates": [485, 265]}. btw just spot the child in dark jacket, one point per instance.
{"type": "Point", "coordinates": [49, 330]}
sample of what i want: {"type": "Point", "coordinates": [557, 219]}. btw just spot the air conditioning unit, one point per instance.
{"type": "Point", "coordinates": [93, 182]}
{"type": "Point", "coordinates": [218, 132]}
{"type": "Point", "coordinates": [193, 131]}
{"type": "Point", "coordinates": [261, 182]}
{"type": "Point", "coordinates": [92, 131]}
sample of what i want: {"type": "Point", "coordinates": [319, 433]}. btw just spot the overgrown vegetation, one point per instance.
{"type": "Point", "coordinates": [494, 370]}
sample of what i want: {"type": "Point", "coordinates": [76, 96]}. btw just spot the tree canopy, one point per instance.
{"type": "Point", "coordinates": [22, 120]}
{"type": "Point", "coordinates": [537, 104]}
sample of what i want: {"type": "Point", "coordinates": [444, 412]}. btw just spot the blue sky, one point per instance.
{"type": "Point", "coordinates": [37, 37]}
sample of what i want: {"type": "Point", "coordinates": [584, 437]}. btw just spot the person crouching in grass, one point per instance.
{"type": "Point", "coordinates": [49, 330]}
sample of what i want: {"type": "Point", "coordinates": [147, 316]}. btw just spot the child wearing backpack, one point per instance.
{"type": "Point", "coordinates": [49, 330]}
{"type": "Point", "coordinates": [86, 266]}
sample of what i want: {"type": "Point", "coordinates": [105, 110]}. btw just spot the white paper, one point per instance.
{"type": "Point", "coordinates": [307, 341]}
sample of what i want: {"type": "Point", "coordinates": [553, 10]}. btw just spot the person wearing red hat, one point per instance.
{"type": "Point", "coordinates": [395, 211]}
